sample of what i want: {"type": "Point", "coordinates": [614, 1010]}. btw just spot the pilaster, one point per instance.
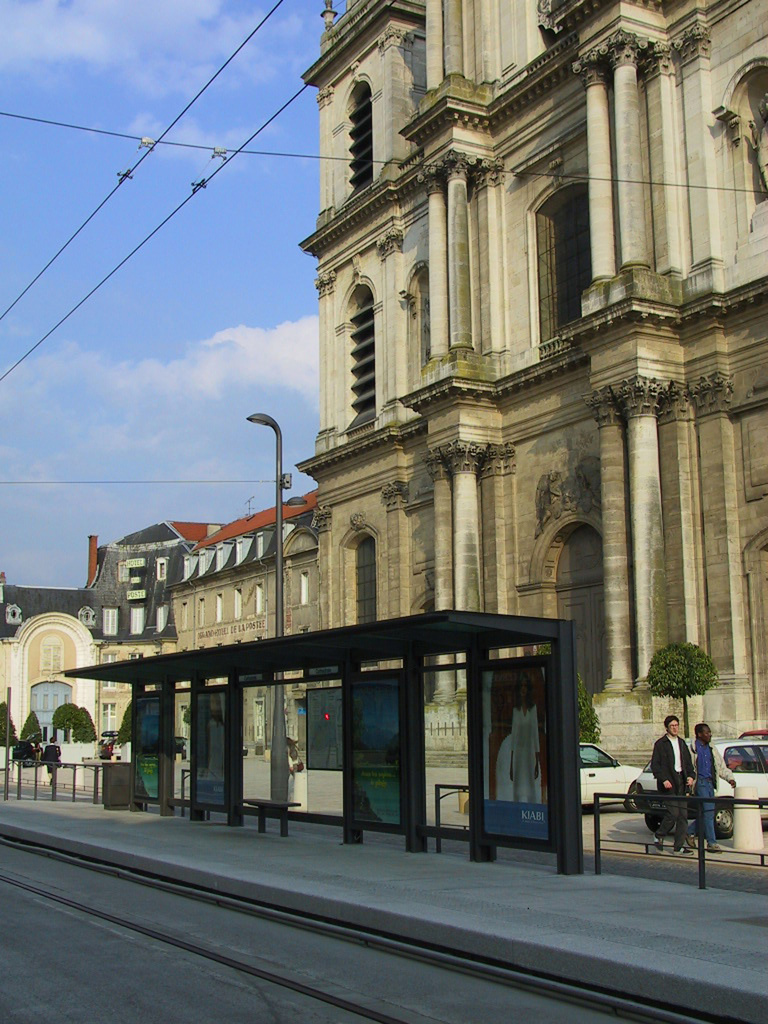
{"type": "Point", "coordinates": [394, 496]}
{"type": "Point", "coordinates": [322, 521]}
{"type": "Point", "coordinates": [443, 529]}
{"type": "Point", "coordinates": [459, 286]}
{"type": "Point", "coordinates": [498, 465]}
{"type": "Point", "coordinates": [434, 179]}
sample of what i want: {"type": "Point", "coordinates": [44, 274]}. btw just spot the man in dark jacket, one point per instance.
{"type": "Point", "coordinates": [51, 756]}
{"type": "Point", "coordinates": [672, 768]}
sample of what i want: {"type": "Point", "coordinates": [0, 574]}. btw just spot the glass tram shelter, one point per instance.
{"type": "Point", "coordinates": [521, 717]}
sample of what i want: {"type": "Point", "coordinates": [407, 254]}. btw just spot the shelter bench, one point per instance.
{"type": "Point", "coordinates": [271, 809]}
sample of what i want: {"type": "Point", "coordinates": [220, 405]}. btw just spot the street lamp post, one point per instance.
{"type": "Point", "coordinates": [278, 768]}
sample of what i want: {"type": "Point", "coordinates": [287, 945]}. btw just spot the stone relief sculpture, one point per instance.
{"type": "Point", "coordinates": [549, 499]}
{"type": "Point", "coordinates": [760, 141]}
{"type": "Point", "coordinates": [579, 493]}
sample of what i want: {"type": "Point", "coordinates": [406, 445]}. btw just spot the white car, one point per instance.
{"type": "Point", "coordinates": [601, 773]}
{"type": "Point", "coordinates": [748, 760]}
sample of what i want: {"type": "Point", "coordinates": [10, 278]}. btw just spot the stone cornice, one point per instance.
{"type": "Point", "coordinates": [456, 102]}
{"type": "Point", "coordinates": [551, 69]}
{"type": "Point", "coordinates": [571, 14]}
{"type": "Point", "coordinates": [363, 445]}
{"type": "Point", "coordinates": [358, 210]}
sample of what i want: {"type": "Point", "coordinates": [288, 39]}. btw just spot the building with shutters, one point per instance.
{"type": "Point", "coordinates": [542, 250]}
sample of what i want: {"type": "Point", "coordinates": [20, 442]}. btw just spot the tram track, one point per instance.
{"type": "Point", "coordinates": [492, 971]}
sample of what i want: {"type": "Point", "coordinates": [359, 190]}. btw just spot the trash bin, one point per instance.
{"type": "Point", "coordinates": [116, 786]}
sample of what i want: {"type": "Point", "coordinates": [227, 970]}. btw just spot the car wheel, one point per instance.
{"type": "Point", "coordinates": [724, 823]}
{"type": "Point", "coordinates": [630, 804]}
{"type": "Point", "coordinates": [653, 821]}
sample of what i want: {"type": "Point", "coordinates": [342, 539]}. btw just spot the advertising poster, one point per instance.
{"type": "Point", "coordinates": [147, 746]}
{"type": "Point", "coordinates": [515, 752]}
{"type": "Point", "coordinates": [324, 732]}
{"type": "Point", "coordinates": [210, 747]}
{"type": "Point", "coordinates": [376, 750]}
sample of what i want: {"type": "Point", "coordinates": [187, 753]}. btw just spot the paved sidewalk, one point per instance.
{"type": "Point", "coordinates": [706, 951]}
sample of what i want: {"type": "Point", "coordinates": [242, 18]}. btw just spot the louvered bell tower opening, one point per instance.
{"type": "Point", "coordinates": [363, 358]}
{"type": "Point", "coordinates": [361, 138]}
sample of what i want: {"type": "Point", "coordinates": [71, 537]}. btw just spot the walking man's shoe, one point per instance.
{"type": "Point", "coordinates": [658, 842]}
{"type": "Point", "coordinates": [690, 840]}
{"type": "Point", "coordinates": [714, 848]}
{"type": "Point", "coordinates": [683, 852]}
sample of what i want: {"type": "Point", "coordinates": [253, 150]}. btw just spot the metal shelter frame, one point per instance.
{"type": "Point", "coordinates": [477, 641]}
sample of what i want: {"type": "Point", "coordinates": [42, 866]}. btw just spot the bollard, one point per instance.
{"type": "Point", "coordinates": [747, 826]}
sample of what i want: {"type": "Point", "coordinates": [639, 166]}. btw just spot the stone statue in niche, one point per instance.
{"type": "Point", "coordinates": [760, 141]}
{"type": "Point", "coordinates": [587, 490]}
{"type": "Point", "coordinates": [549, 499]}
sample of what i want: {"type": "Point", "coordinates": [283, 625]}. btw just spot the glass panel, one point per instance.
{"type": "Point", "coordinates": [210, 747]}
{"type": "Point", "coordinates": [325, 744]}
{"type": "Point", "coordinates": [515, 752]}
{"type": "Point", "coordinates": [147, 747]}
{"type": "Point", "coordinates": [376, 750]}
{"type": "Point", "coordinates": [743, 760]}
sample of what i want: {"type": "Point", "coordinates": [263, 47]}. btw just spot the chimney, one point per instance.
{"type": "Point", "coordinates": [93, 559]}
{"type": "Point", "coordinates": [2, 586]}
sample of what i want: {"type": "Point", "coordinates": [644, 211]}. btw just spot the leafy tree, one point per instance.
{"type": "Point", "coordinates": [589, 723]}
{"type": "Point", "coordinates": [3, 738]}
{"type": "Point", "coordinates": [83, 730]}
{"type": "Point", "coordinates": [681, 671]}
{"type": "Point", "coordinates": [124, 732]}
{"type": "Point", "coordinates": [31, 729]}
{"type": "Point", "coordinates": [66, 718]}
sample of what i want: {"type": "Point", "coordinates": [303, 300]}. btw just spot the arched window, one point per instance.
{"type": "Point", "coordinates": [361, 137]}
{"type": "Point", "coordinates": [51, 654]}
{"type": "Point", "coordinates": [366, 580]}
{"type": "Point", "coordinates": [420, 315]}
{"type": "Point", "coordinates": [363, 356]}
{"type": "Point", "coordinates": [564, 263]}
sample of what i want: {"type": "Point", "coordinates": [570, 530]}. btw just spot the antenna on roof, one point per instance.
{"type": "Point", "coordinates": [248, 504]}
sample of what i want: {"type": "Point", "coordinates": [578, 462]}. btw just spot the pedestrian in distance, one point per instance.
{"type": "Point", "coordinates": [708, 767]}
{"type": "Point", "coordinates": [51, 756]}
{"type": "Point", "coordinates": [672, 767]}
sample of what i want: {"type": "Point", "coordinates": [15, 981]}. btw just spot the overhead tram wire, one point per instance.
{"type": "Point", "coordinates": [123, 176]}
{"type": "Point", "coordinates": [196, 187]}
{"type": "Point", "coordinates": [345, 159]}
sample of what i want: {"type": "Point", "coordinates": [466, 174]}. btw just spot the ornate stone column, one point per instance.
{"type": "Point", "coordinates": [443, 529]}
{"type": "Point", "coordinates": [394, 496]}
{"type": "Point", "coordinates": [324, 103]}
{"type": "Point", "coordinates": [465, 459]}
{"type": "Point", "coordinates": [487, 174]}
{"type": "Point", "coordinates": [623, 48]}
{"type": "Point", "coordinates": [325, 282]}
{"type": "Point", "coordinates": [498, 464]}
{"type": "Point", "coordinates": [682, 515]}
{"type": "Point", "coordinates": [594, 74]}
{"type": "Point", "coordinates": [454, 38]}
{"type": "Point", "coordinates": [459, 289]}
{"type": "Point", "coordinates": [392, 357]}
{"type": "Point", "coordinates": [693, 47]}
{"type": "Point", "coordinates": [722, 547]}
{"type": "Point", "coordinates": [438, 261]}
{"type": "Point", "coordinates": [434, 29]}
{"type": "Point", "coordinates": [321, 521]}
{"type": "Point", "coordinates": [640, 398]}
{"type": "Point", "coordinates": [616, 551]}
{"type": "Point", "coordinates": [664, 142]}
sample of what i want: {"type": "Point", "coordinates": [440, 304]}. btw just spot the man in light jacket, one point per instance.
{"type": "Point", "coordinates": [709, 766]}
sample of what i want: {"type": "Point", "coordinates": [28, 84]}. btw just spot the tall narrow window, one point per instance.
{"type": "Point", "coordinates": [51, 654]}
{"type": "Point", "coordinates": [304, 587]}
{"type": "Point", "coordinates": [363, 357]}
{"type": "Point", "coordinates": [219, 607]}
{"type": "Point", "coordinates": [162, 617]}
{"type": "Point", "coordinates": [564, 262]}
{"type": "Point", "coordinates": [238, 603]}
{"type": "Point", "coordinates": [366, 581]}
{"type": "Point", "coordinates": [137, 619]}
{"type": "Point", "coordinates": [161, 566]}
{"type": "Point", "coordinates": [201, 611]}
{"type": "Point", "coordinates": [259, 598]}
{"type": "Point", "coordinates": [109, 621]}
{"type": "Point", "coordinates": [184, 615]}
{"type": "Point", "coordinates": [361, 137]}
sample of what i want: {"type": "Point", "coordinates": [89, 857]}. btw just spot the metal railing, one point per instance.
{"type": "Point", "coordinates": [56, 780]}
{"type": "Point", "coordinates": [760, 857]}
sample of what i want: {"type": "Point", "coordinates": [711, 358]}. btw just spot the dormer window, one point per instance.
{"type": "Point", "coordinates": [13, 615]}
{"type": "Point", "coordinates": [190, 561]}
{"type": "Point", "coordinates": [87, 616]}
{"type": "Point", "coordinates": [161, 568]}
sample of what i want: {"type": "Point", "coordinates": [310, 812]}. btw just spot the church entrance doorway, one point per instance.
{"type": "Point", "coordinates": [580, 597]}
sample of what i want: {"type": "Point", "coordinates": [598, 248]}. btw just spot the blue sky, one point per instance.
{"type": "Point", "coordinates": [215, 318]}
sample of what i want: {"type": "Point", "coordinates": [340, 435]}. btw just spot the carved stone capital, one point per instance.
{"type": "Point", "coordinates": [321, 518]}
{"type": "Point", "coordinates": [325, 282]}
{"type": "Point", "coordinates": [499, 459]}
{"type": "Point", "coordinates": [639, 396]}
{"type": "Point", "coordinates": [325, 96]}
{"type": "Point", "coordinates": [625, 48]}
{"type": "Point", "coordinates": [712, 394]}
{"type": "Point", "coordinates": [393, 36]}
{"type": "Point", "coordinates": [432, 176]}
{"type": "Point", "coordinates": [695, 42]}
{"type": "Point", "coordinates": [457, 164]}
{"type": "Point", "coordinates": [391, 241]}
{"type": "Point", "coordinates": [394, 495]}
{"type": "Point", "coordinates": [593, 67]}
{"type": "Point", "coordinates": [464, 456]}
{"type": "Point", "coordinates": [487, 172]}
{"type": "Point", "coordinates": [544, 12]}
{"type": "Point", "coordinates": [657, 59]}
{"type": "Point", "coordinates": [357, 521]}
{"type": "Point", "coordinates": [675, 404]}
{"type": "Point", "coordinates": [436, 466]}
{"type": "Point", "coordinates": [604, 406]}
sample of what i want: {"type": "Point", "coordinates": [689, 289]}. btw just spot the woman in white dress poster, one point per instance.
{"type": "Point", "coordinates": [518, 776]}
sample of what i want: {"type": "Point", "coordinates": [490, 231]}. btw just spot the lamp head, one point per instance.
{"type": "Point", "coordinates": [260, 417]}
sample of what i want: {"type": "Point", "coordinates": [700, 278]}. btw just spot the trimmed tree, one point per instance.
{"type": "Point", "coordinates": [83, 730]}
{"type": "Point", "coordinates": [124, 732]}
{"type": "Point", "coordinates": [681, 671]}
{"type": "Point", "coordinates": [66, 718]}
{"type": "Point", "coordinates": [31, 729]}
{"type": "Point", "coordinates": [589, 723]}
{"type": "Point", "coordinates": [5, 740]}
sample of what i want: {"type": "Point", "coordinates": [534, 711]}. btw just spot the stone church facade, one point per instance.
{"type": "Point", "coordinates": [542, 268]}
